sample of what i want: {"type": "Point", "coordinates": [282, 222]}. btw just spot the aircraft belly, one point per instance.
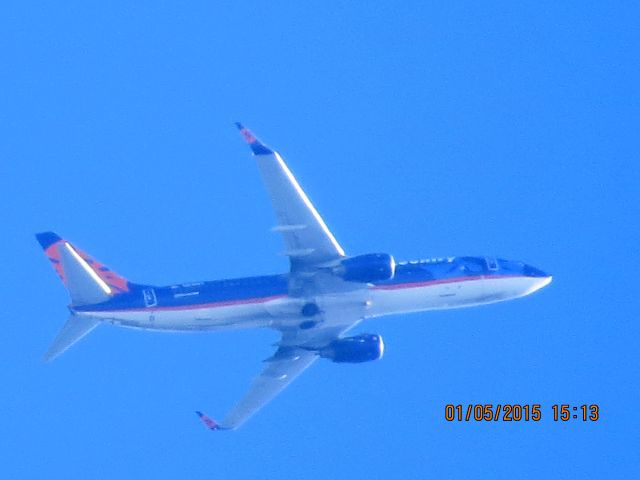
{"type": "Point", "coordinates": [478, 291]}
{"type": "Point", "coordinates": [506, 288]}
{"type": "Point", "coordinates": [407, 299]}
{"type": "Point", "coordinates": [207, 318]}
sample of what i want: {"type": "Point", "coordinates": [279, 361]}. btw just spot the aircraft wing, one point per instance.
{"type": "Point", "coordinates": [285, 365]}
{"type": "Point", "coordinates": [310, 246]}
{"type": "Point", "coordinates": [307, 238]}
{"type": "Point", "coordinates": [296, 351]}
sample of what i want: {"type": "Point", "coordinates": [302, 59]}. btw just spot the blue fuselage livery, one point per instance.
{"type": "Point", "coordinates": [324, 294]}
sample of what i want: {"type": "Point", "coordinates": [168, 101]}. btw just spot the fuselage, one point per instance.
{"type": "Point", "coordinates": [264, 301]}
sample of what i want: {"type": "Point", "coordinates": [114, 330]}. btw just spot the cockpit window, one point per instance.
{"type": "Point", "coordinates": [492, 263]}
{"type": "Point", "coordinates": [473, 264]}
{"type": "Point", "coordinates": [510, 265]}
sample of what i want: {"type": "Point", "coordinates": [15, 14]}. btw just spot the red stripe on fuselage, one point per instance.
{"type": "Point", "coordinates": [197, 306]}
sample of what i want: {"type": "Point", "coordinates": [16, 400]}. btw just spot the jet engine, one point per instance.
{"type": "Point", "coordinates": [357, 349]}
{"type": "Point", "coordinates": [372, 267]}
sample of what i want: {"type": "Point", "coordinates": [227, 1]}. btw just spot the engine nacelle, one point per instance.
{"type": "Point", "coordinates": [358, 349]}
{"type": "Point", "coordinates": [372, 267]}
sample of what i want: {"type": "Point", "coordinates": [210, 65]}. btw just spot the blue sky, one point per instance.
{"type": "Point", "coordinates": [417, 128]}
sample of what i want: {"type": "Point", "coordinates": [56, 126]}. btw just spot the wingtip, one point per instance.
{"type": "Point", "coordinates": [208, 422]}
{"type": "Point", "coordinates": [48, 357]}
{"type": "Point", "coordinates": [257, 147]}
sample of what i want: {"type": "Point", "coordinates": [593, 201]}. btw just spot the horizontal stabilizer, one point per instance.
{"type": "Point", "coordinates": [75, 328]}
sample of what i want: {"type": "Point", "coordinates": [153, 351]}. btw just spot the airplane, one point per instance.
{"type": "Point", "coordinates": [324, 294]}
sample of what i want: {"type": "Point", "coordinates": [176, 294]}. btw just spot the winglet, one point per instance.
{"type": "Point", "coordinates": [257, 147]}
{"type": "Point", "coordinates": [208, 422]}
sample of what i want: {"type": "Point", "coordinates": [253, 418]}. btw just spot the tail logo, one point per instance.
{"type": "Point", "coordinates": [109, 281]}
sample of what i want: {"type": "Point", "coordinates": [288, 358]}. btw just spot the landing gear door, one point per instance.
{"type": "Point", "coordinates": [149, 295]}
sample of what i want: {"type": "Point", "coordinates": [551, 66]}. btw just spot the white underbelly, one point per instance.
{"type": "Point", "coordinates": [204, 318]}
{"type": "Point", "coordinates": [386, 301]}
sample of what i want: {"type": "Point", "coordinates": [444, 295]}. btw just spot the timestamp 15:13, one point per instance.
{"type": "Point", "coordinates": [565, 412]}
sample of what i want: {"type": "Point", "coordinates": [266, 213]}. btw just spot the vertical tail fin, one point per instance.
{"type": "Point", "coordinates": [87, 280]}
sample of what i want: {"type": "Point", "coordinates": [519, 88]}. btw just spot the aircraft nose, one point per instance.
{"type": "Point", "coordinates": [540, 282]}
{"type": "Point", "coordinates": [537, 278]}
